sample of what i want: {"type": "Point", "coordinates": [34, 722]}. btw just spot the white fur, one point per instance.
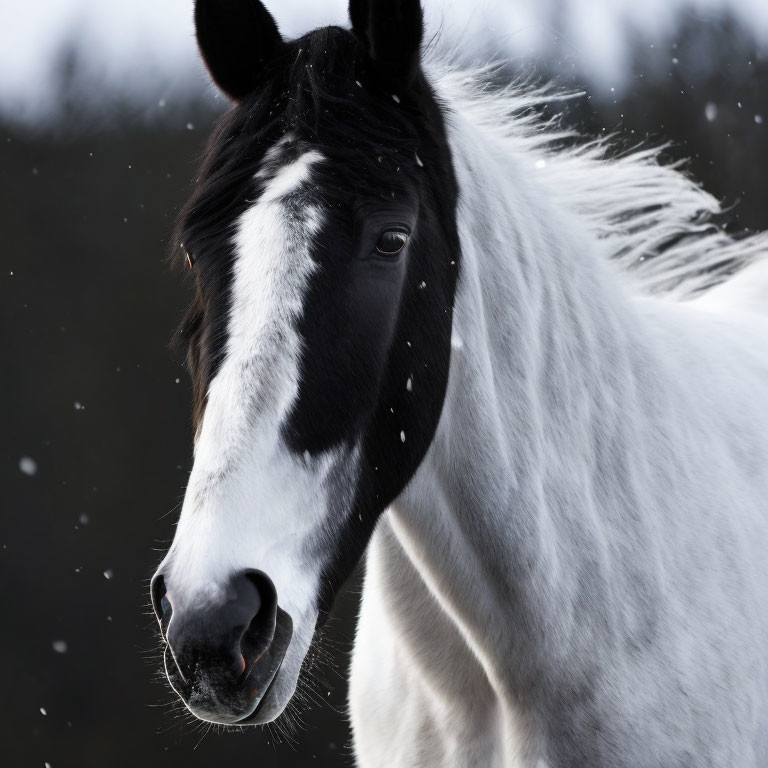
{"type": "Point", "coordinates": [592, 512]}
{"type": "Point", "coordinates": [251, 503]}
{"type": "Point", "coordinates": [745, 293]}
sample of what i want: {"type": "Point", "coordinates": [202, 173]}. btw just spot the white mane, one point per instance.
{"type": "Point", "coordinates": [658, 223]}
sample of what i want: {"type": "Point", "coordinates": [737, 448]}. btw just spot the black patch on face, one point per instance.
{"type": "Point", "coordinates": [376, 331]}
{"type": "Point", "coordinates": [371, 323]}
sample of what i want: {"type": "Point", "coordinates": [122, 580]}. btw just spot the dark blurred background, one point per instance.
{"type": "Point", "coordinates": [95, 440]}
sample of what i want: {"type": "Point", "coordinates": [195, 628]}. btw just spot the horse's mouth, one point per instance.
{"type": "Point", "coordinates": [264, 704]}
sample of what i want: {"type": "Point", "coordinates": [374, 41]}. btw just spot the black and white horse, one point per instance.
{"type": "Point", "coordinates": [529, 382]}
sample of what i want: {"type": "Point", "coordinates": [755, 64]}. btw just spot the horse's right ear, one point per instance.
{"type": "Point", "coordinates": [392, 32]}
{"type": "Point", "coordinates": [238, 39]}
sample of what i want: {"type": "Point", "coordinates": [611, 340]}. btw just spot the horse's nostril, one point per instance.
{"type": "Point", "coordinates": [160, 603]}
{"type": "Point", "coordinates": [253, 613]}
{"type": "Point", "coordinates": [224, 640]}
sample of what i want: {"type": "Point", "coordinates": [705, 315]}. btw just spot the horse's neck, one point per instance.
{"type": "Point", "coordinates": [541, 419]}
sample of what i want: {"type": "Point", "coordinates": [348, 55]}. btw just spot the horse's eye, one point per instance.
{"type": "Point", "coordinates": [391, 242]}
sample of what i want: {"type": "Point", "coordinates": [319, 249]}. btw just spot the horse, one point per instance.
{"type": "Point", "coordinates": [523, 375]}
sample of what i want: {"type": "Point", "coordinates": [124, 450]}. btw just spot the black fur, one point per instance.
{"type": "Point", "coordinates": [392, 32]}
{"type": "Point", "coordinates": [239, 42]}
{"type": "Point", "coordinates": [370, 324]}
{"type": "Point", "coordinates": [359, 13]}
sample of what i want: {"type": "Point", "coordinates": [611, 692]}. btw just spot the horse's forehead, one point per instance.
{"type": "Point", "coordinates": [273, 240]}
{"type": "Point", "coordinates": [271, 267]}
{"type": "Point", "coordinates": [284, 153]}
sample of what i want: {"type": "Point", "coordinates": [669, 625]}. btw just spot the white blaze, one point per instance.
{"type": "Point", "coordinates": [251, 503]}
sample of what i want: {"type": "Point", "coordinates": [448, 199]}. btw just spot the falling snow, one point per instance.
{"type": "Point", "coordinates": [79, 406]}
{"type": "Point", "coordinates": [60, 646]}
{"type": "Point", "coordinates": [109, 574]}
{"type": "Point", "coordinates": [710, 111]}
{"type": "Point", "coordinates": [28, 466]}
{"type": "Point", "coordinates": [402, 437]}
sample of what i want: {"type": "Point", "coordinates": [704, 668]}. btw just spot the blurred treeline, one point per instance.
{"type": "Point", "coordinates": [93, 395]}
{"type": "Point", "coordinates": [706, 94]}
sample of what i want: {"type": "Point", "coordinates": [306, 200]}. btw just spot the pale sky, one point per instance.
{"type": "Point", "coordinates": [144, 49]}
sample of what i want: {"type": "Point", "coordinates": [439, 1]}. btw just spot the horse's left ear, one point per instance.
{"type": "Point", "coordinates": [392, 32]}
{"type": "Point", "coordinates": [238, 39]}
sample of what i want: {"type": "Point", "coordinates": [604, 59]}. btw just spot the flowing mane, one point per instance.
{"type": "Point", "coordinates": [656, 222]}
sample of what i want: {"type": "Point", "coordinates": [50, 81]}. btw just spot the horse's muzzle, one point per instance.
{"type": "Point", "coordinates": [223, 659]}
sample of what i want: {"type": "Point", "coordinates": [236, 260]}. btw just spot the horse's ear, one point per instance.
{"type": "Point", "coordinates": [237, 40]}
{"type": "Point", "coordinates": [392, 32]}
